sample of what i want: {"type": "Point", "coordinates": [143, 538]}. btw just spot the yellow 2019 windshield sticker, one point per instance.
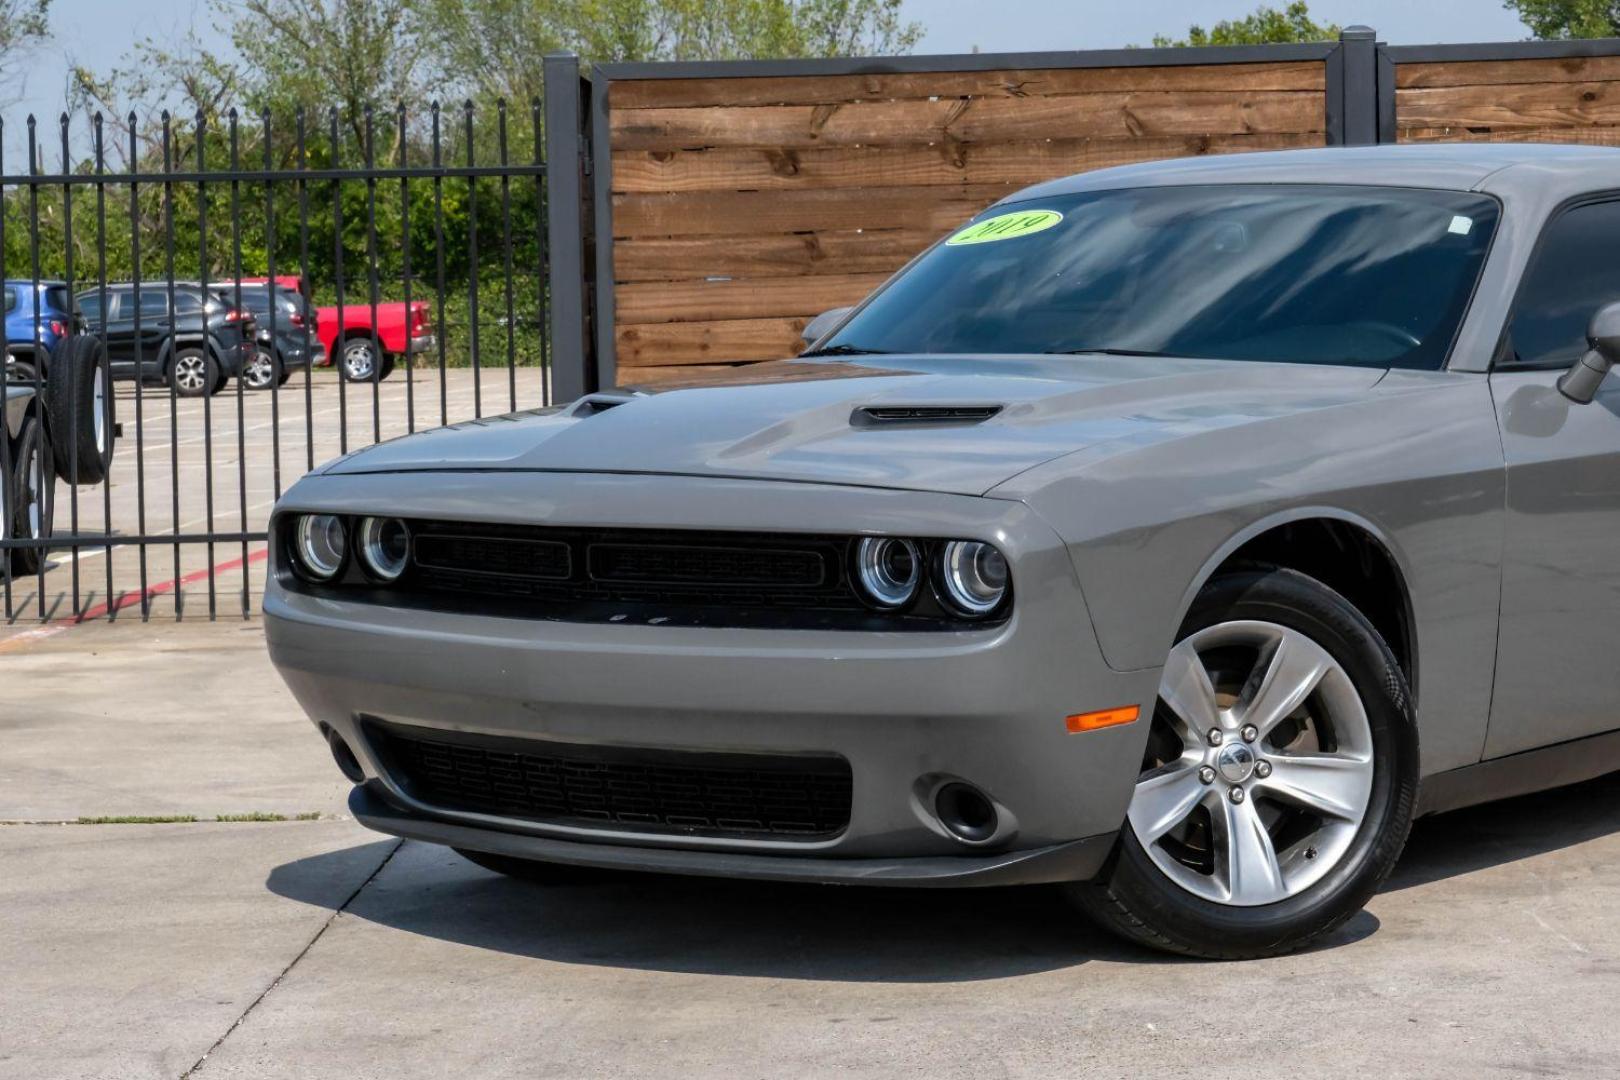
{"type": "Point", "coordinates": [1006, 227]}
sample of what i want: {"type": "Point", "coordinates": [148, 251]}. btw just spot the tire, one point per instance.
{"type": "Point", "coordinates": [1349, 743]}
{"type": "Point", "coordinates": [531, 870]}
{"type": "Point", "coordinates": [31, 492]}
{"type": "Point", "coordinates": [357, 356]}
{"type": "Point", "coordinates": [193, 373]}
{"type": "Point", "coordinates": [283, 376]}
{"type": "Point", "coordinates": [263, 370]}
{"type": "Point", "coordinates": [80, 403]}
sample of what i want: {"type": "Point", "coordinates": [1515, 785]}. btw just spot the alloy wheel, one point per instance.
{"type": "Point", "coordinates": [191, 373]}
{"type": "Point", "coordinates": [261, 370]}
{"type": "Point", "coordinates": [1259, 766]}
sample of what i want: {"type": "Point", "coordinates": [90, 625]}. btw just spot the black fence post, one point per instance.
{"type": "Point", "coordinates": [568, 214]}
{"type": "Point", "coordinates": [1352, 89]}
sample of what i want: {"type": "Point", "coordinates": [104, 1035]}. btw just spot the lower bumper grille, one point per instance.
{"type": "Point", "coordinates": [795, 797]}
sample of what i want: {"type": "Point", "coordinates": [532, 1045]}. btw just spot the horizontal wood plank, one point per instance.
{"type": "Point", "coordinates": [730, 169]}
{"type": "Point", "coordinates": [743, 213]}
{"type": "Point", "coordinates": [1519, 105]}
{"type": "Point", "coordinates": [1498, 72]}
{"type": "Point", "coordinates": [1588, 136]}
{"type": "Point", "coordinates": [661, 344]}
{"type": "Point", "coordinates": [969, 120]}
{"type": "Point", "coordinates": [701, 301]}
{"type": "Point", "coordinates": [782, 255]}
{"type": "Point", "coordinates": [1016, 83]}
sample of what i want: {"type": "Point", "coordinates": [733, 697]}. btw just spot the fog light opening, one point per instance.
{"type": "Point", "coordinates": [966, 812]}
{"type": "Point", "coordinates": [347, 763]}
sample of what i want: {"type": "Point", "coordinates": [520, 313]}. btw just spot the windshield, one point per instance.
{"type": "Point", "coordinates": [1313, 274]}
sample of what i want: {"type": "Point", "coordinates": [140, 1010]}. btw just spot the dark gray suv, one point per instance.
{"type": "Point", "coordinates": [181, 334]}
{"type": "Point", "coordinates": [285, 339]}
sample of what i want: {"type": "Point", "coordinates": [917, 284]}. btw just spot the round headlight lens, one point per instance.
{"type": "Point", "coordinates": [974, 576]}
{"type": "Point", "coordinates": [385, 547]}
{"type": "Point", "coordinates": [889, 570]}
{"type": "Point", "coordinates": [319, 544]}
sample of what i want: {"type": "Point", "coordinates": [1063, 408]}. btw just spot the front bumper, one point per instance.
{"type": "Point", "coordinates": [908, 710]}
{"type": "Point", "coordinates": [423, 343]}
{"type": "Point", "coordinates": [1077, 860]}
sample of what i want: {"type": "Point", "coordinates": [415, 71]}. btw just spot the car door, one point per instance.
{"type": "Point", "coordinates": [120, 329]}
{"type": "Point", "coordinates": [155, 324]}
{"type": "Point", "coordinates": [1558, 677]}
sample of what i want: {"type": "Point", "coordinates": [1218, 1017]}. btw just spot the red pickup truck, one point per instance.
{"type": "Point", "coordinates": [360, 345]}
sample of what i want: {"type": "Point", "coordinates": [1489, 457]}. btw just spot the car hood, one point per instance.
{"type": "Point", "coordinates": [810, 421]}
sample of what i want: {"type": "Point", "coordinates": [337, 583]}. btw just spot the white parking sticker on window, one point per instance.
{"type": "Point", "coordinates": [1461, 225]}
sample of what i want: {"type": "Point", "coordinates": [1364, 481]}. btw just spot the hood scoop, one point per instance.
{"type": "Point", "coordinates": [602, 401]}
{"type": "Point", "coordinates": [932, 415]}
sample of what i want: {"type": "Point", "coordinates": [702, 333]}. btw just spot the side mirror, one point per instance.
{"type": "Point", "coordinates": [1580, 383]}
{"type": "Point", "coordinates": [824, 322]}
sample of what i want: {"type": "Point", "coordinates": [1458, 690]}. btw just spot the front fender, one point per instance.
{"type": "Point", "coordinates": [1418, 463]}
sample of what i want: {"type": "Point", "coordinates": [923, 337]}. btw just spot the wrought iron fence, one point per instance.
{"type": "Point", "coordinates": [218, 306]}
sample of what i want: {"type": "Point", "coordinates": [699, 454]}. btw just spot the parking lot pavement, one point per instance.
{"type": "Point", "coordinates": [200, 466]}
{"type": "Point", "coordinates": [1495, 951]}
{"type": "Point", "coordinates": [128, 950]}
{"type": "Point", "coordinates": [163, 719]}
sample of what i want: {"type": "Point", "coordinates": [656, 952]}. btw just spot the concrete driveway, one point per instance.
{"type": "Point", "coordinates": [305, 946]}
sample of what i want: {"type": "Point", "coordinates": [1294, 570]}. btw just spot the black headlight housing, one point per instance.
{"type": "Point", "coordinates": [655, 577]}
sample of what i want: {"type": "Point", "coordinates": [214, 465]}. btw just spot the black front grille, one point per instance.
{"type": "Point", "coordinates": [637, 575]}
{"type": "Point", "coordinates": [793, 797]}
{"type": "Point", "coordinates": [493, 556]}
{"type": "Point", "coordinates": [715, 567]}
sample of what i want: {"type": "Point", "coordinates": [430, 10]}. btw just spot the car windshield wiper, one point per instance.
{"type": "Point", "coordinates": [845, 350]}
{"type": "Point", "coordinates": [1110, 352]}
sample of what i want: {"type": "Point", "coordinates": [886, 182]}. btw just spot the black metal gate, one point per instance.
{"type": "Point", "coordinates": [408, 248]}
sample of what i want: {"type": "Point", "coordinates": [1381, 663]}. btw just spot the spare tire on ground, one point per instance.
{"type": "Point", "coordinates": [79, 401]}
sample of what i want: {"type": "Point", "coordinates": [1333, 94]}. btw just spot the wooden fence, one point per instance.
{"type": "Point", "coordinates": [729, 203]}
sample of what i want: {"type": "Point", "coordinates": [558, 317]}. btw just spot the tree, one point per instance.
{"type": "Point", "coordinates": [312, 54]}
{"type": "Point", "coordinates": [1563, 19]}
{"type": "Point", "coordinates": [1267, 26]}
{"type": "Point", "coordinates": [22, 23]}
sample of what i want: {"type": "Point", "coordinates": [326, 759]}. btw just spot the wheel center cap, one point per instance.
{"type": "Point", "coordinates": [1235, 762]}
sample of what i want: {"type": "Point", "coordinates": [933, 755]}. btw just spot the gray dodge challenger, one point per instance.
{"type": "Point", "coordinates": [1176, 532]}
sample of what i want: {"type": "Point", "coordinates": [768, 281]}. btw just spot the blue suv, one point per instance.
{"type": "Point", "coordinates": [57, 319]}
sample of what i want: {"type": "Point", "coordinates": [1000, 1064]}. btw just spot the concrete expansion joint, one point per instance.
{"type": "Point", "coordinates": [277, 981]}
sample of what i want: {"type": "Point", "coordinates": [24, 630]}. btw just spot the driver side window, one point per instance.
{"type": "Point", "coordinates": [1574, 272]}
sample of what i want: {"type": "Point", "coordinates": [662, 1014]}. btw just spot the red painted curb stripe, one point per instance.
{"type": "Point", "coordinates": [138, 596]}
{"type": "Point", "coordinates": [56, 626]}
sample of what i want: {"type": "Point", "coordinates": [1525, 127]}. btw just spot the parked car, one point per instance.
{"type": "Point", "coordinates": [291, 282]}
{"type": "Point", "coordinates": [195, 346]}
{"type": "Point", "coordinates": [367, 349]}
{"type": "Point", "coordinates": [41, 308]}
{"type": "Point", "coordinates": [38, 419]}
{"type": "Point", "coordinates": [283, 343]}
{"type": "Point", "coordinates": [1135, 537]}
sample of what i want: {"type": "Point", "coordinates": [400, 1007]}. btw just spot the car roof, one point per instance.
{"type": "Point", "coordinates": [1493, 167]}
{"type": "Point", "coordinates": [129, 286]}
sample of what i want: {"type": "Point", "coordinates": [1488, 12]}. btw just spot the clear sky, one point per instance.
{"type": "Point", "coordinates": [97, 33]}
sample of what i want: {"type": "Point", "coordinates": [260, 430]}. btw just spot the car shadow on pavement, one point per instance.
{"type": "Point", "coordinates": [1480, 837]}
{"type": "Point", "coordinates": [715, 926]}
{"type": "Point", "coordinates": [773, 930]}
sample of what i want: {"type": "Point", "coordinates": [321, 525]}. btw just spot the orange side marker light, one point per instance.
{"type": "Point", "coordinates": [1103, 718]}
